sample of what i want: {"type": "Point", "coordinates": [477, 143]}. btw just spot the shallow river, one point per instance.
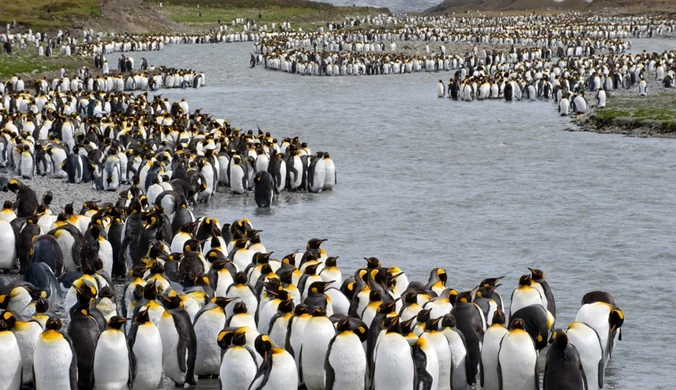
{"type": "Point", "coordinates": [481, 189]}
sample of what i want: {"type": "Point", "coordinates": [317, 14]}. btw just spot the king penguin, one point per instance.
{"type": "Point", "coordinates": [209, 321]}
{"type": "Point", "coordinates": [489, 352]}
{"type": "Point", "coordinates": [563, 369]}
{"type": "Point", "coordinates": [10, 359]}
{"type": "Point", "coordinates": [317, 335]}
{"type": "Point", "coordinates": [55, 362]}
{"type": "Point", "coordinates": [426, 364]}
{"type": "Point", "coordinates": [518, 359]}
{"type": "Point", "coordinates": [179, 342]}
{"type": "Point", "coordinates": [238, 366]}
{"type": "Point", "coordinates": [346, 346]}
{"type": "Point", "coordinates": [27, 333]}
{"type": "Point", "coordinates": [274, 372]}
{"type": "Point", "coordinates": [588, 345]}
{"type": "Point", "coordinates": [145, 344]}
{"type": "Point", "coordinates": [394, 367]}
{"type": "Point", "coordinates": [112, 363]}
{"type": "Point", "coordinates": [84, 331]}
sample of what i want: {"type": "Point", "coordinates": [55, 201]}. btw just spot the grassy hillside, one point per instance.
{"type": "Point", "coordinates": [44, 14]}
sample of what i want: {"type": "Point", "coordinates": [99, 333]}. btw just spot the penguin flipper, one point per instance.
{"type": "Point", "coordinates": [584, 376]}
{"type": "Point", "coordinates": [537, 376]}
{"type": "Point", "coordinates": [499, 373]}
{"type": "Point", "coordinates": [422, 377]}
{"type": "Point", "coordinates": [600, 373]}
{"type": "Point", "coordinates": [330, 374]}
{"type": "Point", "coordinates": [481, 369]}
{"type": "Point", "coordinates": [132, 368]}
{"type": "Point", "coordinates": [73, 365]}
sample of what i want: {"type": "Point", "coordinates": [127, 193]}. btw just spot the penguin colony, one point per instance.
{"type": "Point", "coordinates": [209, 300]}
{"type": "Point", "coordinates": [563, 81]}
{"type": "Point", "coordinates": [373, 51]}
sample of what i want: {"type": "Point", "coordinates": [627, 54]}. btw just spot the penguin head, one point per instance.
{"type": "Point", "coordinates": [14, 185]}
{"type": "Point", "coordinates": [536, 274]}
{"type": "Point", "coordinates": [301, 309]}
{"type": "Point", "coordinates": [388, 307]}
{"type": "Point", "coordinates": [410, 298]}
{"type": "Point", "coordinates": [9, 318]}
{"type": "Point", "coordinates": [525, 280]}
{"type": "Point", "coordinates": [375, 296]}
{"type": "Point", "coordinates": [393, 325]}
{"type": "Point", "coordinates": [311, 269]}
{"type": "Point", "coordinates": [499, 317]}
{"type": "Point", "coordinates": [142, 316]}
{"type": "Point", "coordinates": [47, 198]}
{"type": "Point", "coordinates": [465, 296]}
{"type": "Point", "coordinates": [41, 305]}
{"type": "Point", "coordinates": [448, 321]}
{"type": "Point", "coordinates": [490, 282]}
{"type": "Point", "coordinates": [116, 322]}
{"type": "Point", "coordinates": [432, 323]}
{"type": "Point", "coordinates": [263, 345]}
{"type": "Point", "coordinates": [559, 338]}
{"type": "Point", "coordinates": [262, 258]}
{"type": "Point", "coordinates": [319, 287]}
{"type": "Point", "coordinates": [318, 311]}
{"type": "Point", "coordinates": [290, 259]}
{"type": "Point", "coordinates": [240, 278]}
{"type": "Point", "coordinates": [53, 323]}
{"type": "Point", "coordinates": [107, 292]}
{"type": "Point", "coordinates": [517, 323]}
{"type": "Point", "coordinates": [372, 262]}
{"type": "Point", "coordinates": [7, 205]}
{"type": "Point", "coordinates": [171, 301]}
{"type": "Point", "coordinates": [240, 308]}
{"type": "Point", "coordinates": [286, 306]}
{"type": "Point", "coordinates": [225, 338]}
{"type": "Point", "coordinates": [315, 243]}
{"type": "Point", "coordinates": [191, 246]}
{"type": "Point", "coordinates": [221, 302]}
{"type": "Point", "coordinates": [331, 262]}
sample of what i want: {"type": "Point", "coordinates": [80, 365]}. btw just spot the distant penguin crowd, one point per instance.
{"type": "Point", "coordinates": [371, 49]}
{"type": "Point", "coordinates": [564, 81]}
{"type": "Point", "coordinates": [208, 300]}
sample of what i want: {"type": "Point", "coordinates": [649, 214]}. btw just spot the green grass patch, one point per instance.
{"type": "Point", "coordinates": [44, 14]}
{"type": "Point", "coordinates": [658, 107]}
{"type": "Point", "coordinates": [27, 63]}
{"type": "Point", "coordinates": [300, 12]}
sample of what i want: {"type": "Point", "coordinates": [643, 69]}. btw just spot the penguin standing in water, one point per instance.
{"type": "Point", "coordinates": [10, 359]}
{"type": "Point", "coordinates": [238, 366]}
{"type": "Point", "coordinates": [145, 344]}
{"type": "Point", "coordinates": [263, 189]}
{"type": "Point", "coordinates": [441, 89]}
{"type": "Point", "coordinates": [55, 362]}
{"type": "Point", "coordinates": [275, 371]}
{"type": "Point", "coordinates": [518, 359]}
{"type": "Point", "coordinates": [112, 363]}
{"type": "Point", "coordinates": [179, 344]}
{"type": "Point", "coordinates": [346, 346]}
{"type": "Point", "coordinates": [394, 368]}
{"type": "Point", "coordinates": [606, 319]}
{"type": "Point", "coordinates": [588, 345]}
{"type": "Point", "coordinates": [563, 369]}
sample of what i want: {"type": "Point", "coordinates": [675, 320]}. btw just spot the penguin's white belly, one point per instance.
{"type": "Point", "coordinates": [52, 364]}
{"type": "Point", "coordinates": [394, 368]}
{"type": "Point", "coordinates": [225, 280]}
{"type": "Point", "coordinates": [517, 359]}
{"type": "Point", "coordinates": [111, 361]}
{"type": "Point", "coordinates": [316, 338]}
{"type": "Point", "coordinates": [238, 369]}
{"type": "Point", "coordinates": [438, 341]}
{"type": "Point", "coordinates": [348, 361]}
{"type": "Point", "coordinates": [169, 335]}
{"type": "Point", "coordinates": [458, 360]}
{"type": "Point", "coordinates": [10, 361]}
{"type": "Point", "coordinates": [280, 378]}
{"type": "Point", "coordinates": [236, 175]}
{"type": "Point", "coordinates": [106, 256]}
{"type": "Point", "coordinates": [148, 352]}
{"type": "Point", "coordinates": [587, 343]}
{"type": "Point", "coordinates": [489, 357]}
{"type": "Point", "coordinates": [27, 339]}
{"type": "Point", "coordinates": [245, 295]}
{"type": "Point", "coordinates": [208, 325]}
{"type": "Point", "coordinates": [7, 240]}
{"type": "Point", "coordinates": [278, 331]}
